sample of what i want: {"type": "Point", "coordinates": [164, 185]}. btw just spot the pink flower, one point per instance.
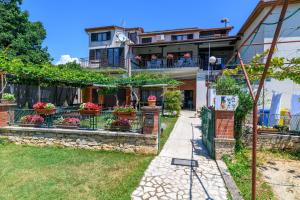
{"type": "Point", "coordinates": [152, 98]}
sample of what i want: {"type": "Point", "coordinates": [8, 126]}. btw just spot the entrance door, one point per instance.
{"type": "Point", "coordinates": [188, 99]}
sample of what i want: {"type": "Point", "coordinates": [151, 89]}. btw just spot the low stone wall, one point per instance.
{"type": "Point", "coordinates": [223, 146]}
{"type": "Point", "coordinates": [105, 140]}
{"type": "Point", "coordinates": [274, 141]}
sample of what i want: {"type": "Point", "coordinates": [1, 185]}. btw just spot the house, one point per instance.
{"type": "Point", "coordinates": [288, 45]}
{"type": "Point", "coordinates": [182, 54]}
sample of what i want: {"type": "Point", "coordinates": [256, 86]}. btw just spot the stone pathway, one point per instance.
{"type": "Point", "coordinates": [165, 181]}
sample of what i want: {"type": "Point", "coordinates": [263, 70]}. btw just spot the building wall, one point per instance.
{"type": "Point", "coordinates": [287, 47]}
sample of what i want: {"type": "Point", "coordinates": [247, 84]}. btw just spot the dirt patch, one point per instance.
{"type": "Point", "coordinates": [284, 177]}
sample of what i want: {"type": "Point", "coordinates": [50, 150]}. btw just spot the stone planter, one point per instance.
{"type": "Point", "coordinates": [152, 103]}
{"type": "Point", "coordinates": [31, 125]}
{"type": "Point", "coordinates": [89, 112]}
{"type": "Point", "coordinates": [45, 111]}
{"type": "Point", "coordinates": [4, 101]}
{"type": "Point", "coordinates": [64, 126]}
{"type": "Point", "coordinates": [123, 115]}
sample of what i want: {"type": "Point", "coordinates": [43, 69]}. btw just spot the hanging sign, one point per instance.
{"type": "Point", "coordinates": [226, 102]}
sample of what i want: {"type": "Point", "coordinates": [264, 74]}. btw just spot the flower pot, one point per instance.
{"type": "Point", "coordinates": [89, 112]}
{"type": "Point", "coordinates": [152, 103]}
{"type": "Point", "coordinates": [64, 126]}
{"type": "Point", "coordinates": [31, 125]}
{"type": "Point", "coordinates": [124, 115]}
{"type": "Point", "coordinates": [4, 101]}
{"type": "Point", "coordinates": [45, 111]}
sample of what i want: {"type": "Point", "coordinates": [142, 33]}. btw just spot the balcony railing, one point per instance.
{"type": "Point", "coordinates": [100, 64]}
{"type": "Point", "coordinates": [165, 63]}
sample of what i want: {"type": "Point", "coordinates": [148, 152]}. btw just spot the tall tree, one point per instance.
{"type": "Point", "coordinates": [20, 37]}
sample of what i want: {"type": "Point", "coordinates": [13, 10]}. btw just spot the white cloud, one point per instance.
{"type": "Point", "coordinates": [66, 59]}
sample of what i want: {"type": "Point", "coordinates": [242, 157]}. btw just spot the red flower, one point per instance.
{"type": "Point", "coordinates": [71, 121]}
{"type": "Point", "coordinates": [89, 106]}
{"type": "Point", "coordinates": [39, 105]}
{"type": "Point", "coordinates": [152, 98]}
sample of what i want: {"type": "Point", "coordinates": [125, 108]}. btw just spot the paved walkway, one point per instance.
{"type": "Point", "coordinates": [165, 181]}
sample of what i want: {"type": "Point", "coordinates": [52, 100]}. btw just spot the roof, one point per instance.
{"type": "Point", "coordinates": [184, 30]}
{"type": "Point", "coordinates": [262, 4]}
{"type": "Point", "coordinates": [112, 27]}
{"type": "Point", "coordinates": [191, 41]}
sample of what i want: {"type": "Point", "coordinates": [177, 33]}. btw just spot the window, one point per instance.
{"type": "Point", "coordinates": [95, 54]}
{"type": "Point", "coordinates": [114, 56]}
{"type": "Point", "coordinates": [182, 37]}
{"type": "Point", "coordinates": [147, 40]}
{"type": "Point", "coordinates": [98, 37]}
{"type": "Point", "coordinates": [206, 34]}
{"type": "Point", "coordinates": [133, 37]}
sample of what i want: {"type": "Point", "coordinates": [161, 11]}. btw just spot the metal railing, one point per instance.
{"type": "Point", "coordinates": [165, 63]}
{"type": "Point", "coordinates": [87, 122]}
{"type": "Point", "coordinates": [99, 64]}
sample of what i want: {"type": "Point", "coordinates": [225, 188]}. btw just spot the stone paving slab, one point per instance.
{"type": "Point", "coordinates": [165, 181]}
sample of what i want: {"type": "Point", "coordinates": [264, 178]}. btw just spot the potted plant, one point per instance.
{"type": "Point", "coordinates": [89, 109]}
{"type": "Point", "coordinates": [8, 98]}
{"type": "Point", "coordinates": [43, 108]}
{"type": "Point", "coordinates": [32, 121]}
{"type": "Point", "coordinates": [69, 123]}
{"type": "Point", "coordinates": [266, 129]}
{"type": "Point", "coordinates": [152, 101]}
{"type": "Point", "coordinates": [127, 112]}
{"type": "Point", "coordinates": [120, 125]}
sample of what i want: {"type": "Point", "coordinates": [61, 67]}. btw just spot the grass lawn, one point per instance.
{"type": "Point", "coordinates": [28, 172]}
{"type": "Point", "coordinates": [240, 169]}
{"type": "Point", "coordinates": [169, 122]}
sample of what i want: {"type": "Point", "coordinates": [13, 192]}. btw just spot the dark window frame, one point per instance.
{"type": "Point", "coordinates": [100, 37]}
{"type": "Point", "coordinates": [146, 40]}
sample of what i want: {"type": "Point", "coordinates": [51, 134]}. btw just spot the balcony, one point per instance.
{"type": "Point", "coordinates": [102, 64]}
{"type": "Point", "coordinates": [165, 63]}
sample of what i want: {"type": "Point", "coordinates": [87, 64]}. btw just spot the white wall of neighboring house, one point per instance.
{"type": "Point", "coordinates": [288, 46]}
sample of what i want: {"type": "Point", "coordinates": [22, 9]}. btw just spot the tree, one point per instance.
{"type": "Point", "coordinates": [18, 36]}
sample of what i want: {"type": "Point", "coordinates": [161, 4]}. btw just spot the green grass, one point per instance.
{"type": "Point", "coordinates": [240, 168]}
{"type": "Point", "coordinates": [28, 172]}
{"type": "Point", "coordinates": [169, 122]}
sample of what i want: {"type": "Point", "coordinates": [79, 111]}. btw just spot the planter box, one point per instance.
{"type": "Point", "coordinates": [31, 125]}
{"type": "Point", "coordinates": [122, 115]}
{"type": "Point", "coordinates": [120, 128]}
{"type": "Point", "coordinates": [266, 130]}
{"type": "Point", "coordinates": [7, 101]}
{"type": "Point", "coordinates": [89, 112]}
{"type": "Point", "coordinates": [45, 111]}
{"type": "Point", "coordinates": [67, 126]}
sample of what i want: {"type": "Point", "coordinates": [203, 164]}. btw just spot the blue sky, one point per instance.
{"type": "Point", "coordinates": [65, 20]}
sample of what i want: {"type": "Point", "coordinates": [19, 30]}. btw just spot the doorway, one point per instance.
{"type": "Point", "coordinates": [188, 99]}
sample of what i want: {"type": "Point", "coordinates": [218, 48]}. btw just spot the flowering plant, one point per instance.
{"type": "Point", "coordinates": [43, 105]}
{"type": "Point", "coordinates": [152, 98]}
{"type": "Point", "coordinates": [170, 56]}
{"type": "Point", "coordinates": [138, 58]}
{"type": "Point", "coordinates": [32, 119]}
{"type": "Point", "coordinates": [71, 121]}
{"type": "Point", "coordinates": [89, 106]}
{"type": "Point", "coordinates": [8, 97]}
{"type": "Point", "coordinates": [126, 109]}
{"type": "Point", "coordinates": [187, 55]}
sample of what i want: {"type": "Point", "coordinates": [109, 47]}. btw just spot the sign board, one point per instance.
{"type": "Point", "coordinates": [226, 102]}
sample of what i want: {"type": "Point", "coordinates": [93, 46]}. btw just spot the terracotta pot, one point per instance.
{"type": "Point", "coordinates": [152, 103]}
{"type": "Point", "coordinates": [89, 112]}
{"type": "Point", "coordinates": [4, 101]}
{"type": "Point", "coordinates": [123, 115]}
{"type": "Point", "coordinates": [45, 111]}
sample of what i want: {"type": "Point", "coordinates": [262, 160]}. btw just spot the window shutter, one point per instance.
{"type": "Point", "coordinates": [94, 37]}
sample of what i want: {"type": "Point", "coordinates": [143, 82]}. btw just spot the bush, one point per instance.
{"type": "Point", "coordinates": [8, 97]}
{"type": "Point", "coordinates": [173, 101]}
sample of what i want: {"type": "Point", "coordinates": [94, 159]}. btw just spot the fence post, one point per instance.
{"type": "Point", "coordinates": [224, 141]}
{"type": "Point", "coordinates": [6, 114]}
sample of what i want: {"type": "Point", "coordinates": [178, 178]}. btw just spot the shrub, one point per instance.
{"type": "Point", "coordinates": [8, 97]}
{"type": "Point", "coordinates": [124, 109]}
{"type": "Point", "coordinates": [173, 101]}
